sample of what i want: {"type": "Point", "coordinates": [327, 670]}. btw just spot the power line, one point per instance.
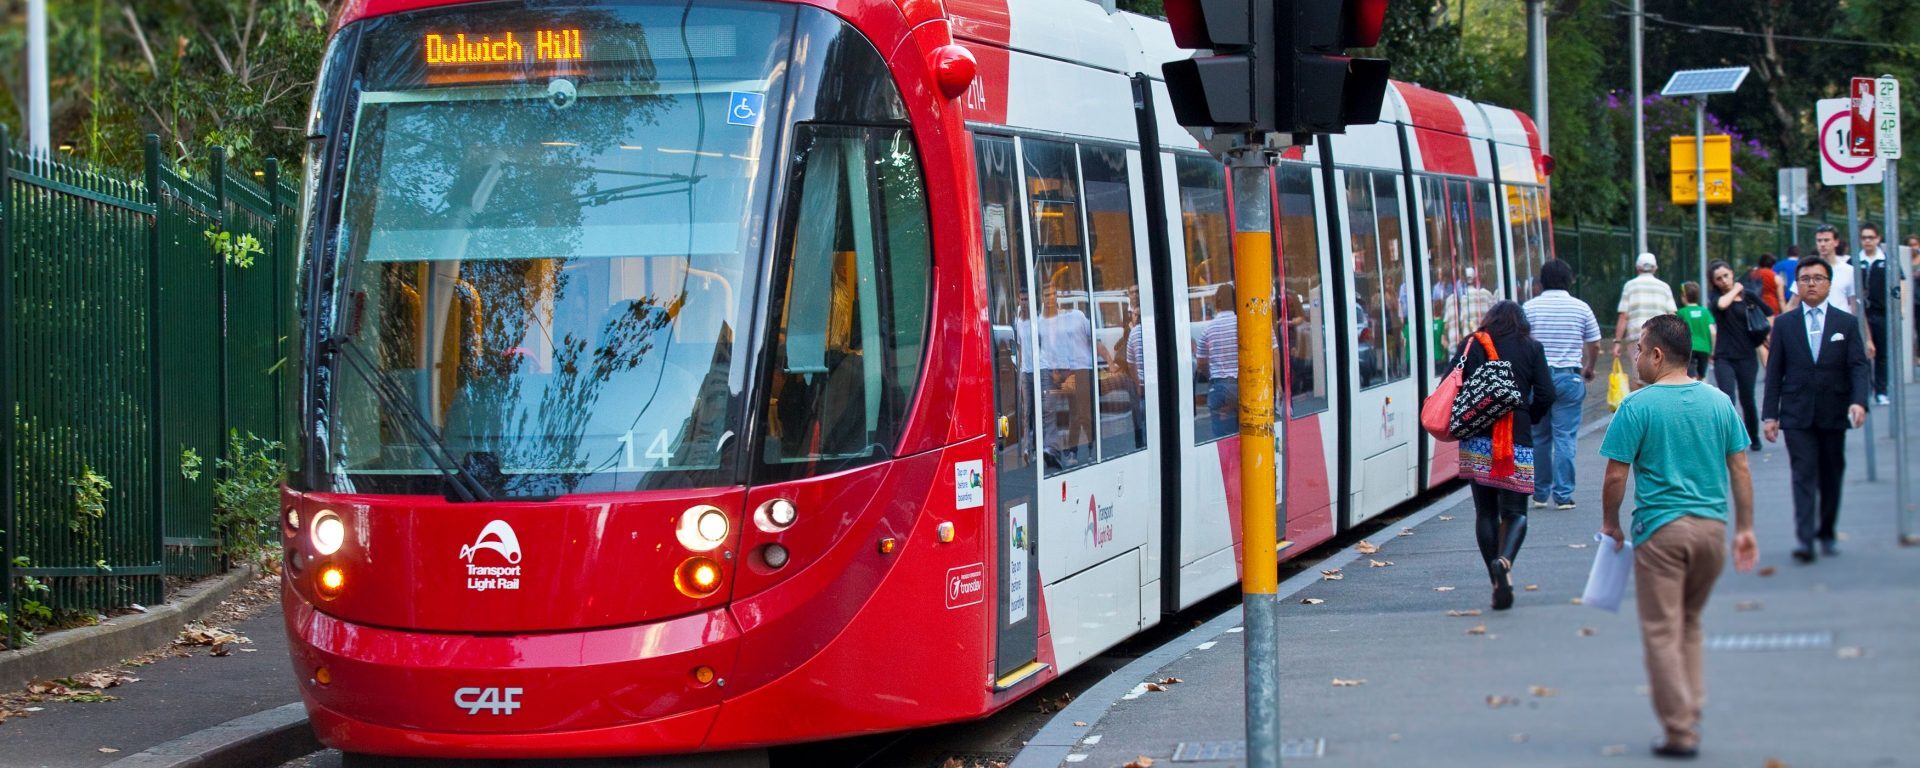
{"type": "Point", "coordinates": [1739, 32]}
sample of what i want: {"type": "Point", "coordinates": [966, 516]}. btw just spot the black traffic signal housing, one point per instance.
{"type": "Point", "coordinates": [1232, 89]}
{"type": "Point", "coordinates": [1276, 65]}
{"type": "Point", "coordinates": [1322, 90]}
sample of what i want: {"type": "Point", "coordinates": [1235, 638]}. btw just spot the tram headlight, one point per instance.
{"type": "Point", "coordinates": [698, 577]}
{"type": "Point", "coordinates": [703, 528]}
{"type": "Point", "coordinates": [329, 532]}
{"type": "Point", "coordinates": [775, 515]}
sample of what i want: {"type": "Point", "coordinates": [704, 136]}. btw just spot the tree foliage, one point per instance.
{"type": "Point", "coordinates": [200, 73]}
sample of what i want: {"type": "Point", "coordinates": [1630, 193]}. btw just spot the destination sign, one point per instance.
{"type": "Point", "coordinates": [468, 49]}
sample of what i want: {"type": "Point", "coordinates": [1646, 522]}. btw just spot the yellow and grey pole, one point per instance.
{"type": "Point", "coordinates": [1259, 524]}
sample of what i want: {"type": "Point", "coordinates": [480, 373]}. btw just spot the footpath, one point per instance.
{"type": "Point", "coordinates": [1401, 662]}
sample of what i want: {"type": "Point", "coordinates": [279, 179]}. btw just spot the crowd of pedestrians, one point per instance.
{"type": "Point", "coordinates": [1808, 322]}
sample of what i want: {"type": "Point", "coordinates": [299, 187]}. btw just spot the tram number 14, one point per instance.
{"type": "Point", "coordinates": [656, 451]}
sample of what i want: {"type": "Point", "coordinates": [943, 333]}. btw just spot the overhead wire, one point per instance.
{"type": "Point", "coordinates": [1740, 32]}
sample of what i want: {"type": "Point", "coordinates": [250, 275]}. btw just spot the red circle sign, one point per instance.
{"type": "Point", "coordinates": [1834, 162]}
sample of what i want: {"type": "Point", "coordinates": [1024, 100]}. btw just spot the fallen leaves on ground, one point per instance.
{"type": "Point", "coordinates": [1533, 587]}
{"type": "Point", "coordinates": [1577, 601]}
{"type": "Point", "coordinates": [1576, 546]}
{"type": "Point", "coordinates": [1850, 652]}
{"type": "Point", "coordinates": [1311, 601]}
{"type": "Point", "coordinates": [1477, 629]}
{"type": "Point", "coordinates": [954, 762]}
{"type": "Point", "coordinates": [1767, 571]}
{"type": "Point", "coordinates": [108, 750]}
{"type": "Point", "coordinates": [1406, 531]}
{"type": "Point", "coordinates": [1140, 762]}
{"type": "Point", "coordinates": [1467, 612]}
{"type": "Point", "coordinates": [1340, 683]}
{"type": "Point", "coordinates": [1543, 692]}
{"type": "Point", "coordinates": [1613, 750]}
{"type": "Point", "coordinates": [1379, 563]}
{"type": "Point", "coordinates": [1171, 681]}
{"type": "Point", "coordinates": [1774, 762]}
{"type": "Point", "coordinates": [1443, 589]}
{"type": "Point", "coordinates": [1049, 706]}
{"type": "Point", "coordinates": [1365, 547]}
{"type": "Point", "coordinates": [1444, 518]}
{"type": "Point", "coordinates": [1332, 574]}
{"type": "Point", "coordinates": [101, 681]}
{"type": "Point", "coordinates": [1156, 687]}
{"type": "Point", "coordinates": [1495, 701]}
{"type": "Point", "coordinates": [1587, 632]}
{"type": "Point", "coordinates": [1747, 605]}
{"type": "Point", "coordinates": [1518, 738]}
{"type": "Point", "coordinates": [1079, 724]}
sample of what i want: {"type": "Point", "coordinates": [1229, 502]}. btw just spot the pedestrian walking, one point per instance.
{"type": "Point", "coordinates": [1742, 320]}
{"type": "Point", "coordinates": [1768, 281]}
{"type": "Point", "coordinates": [1816, 390]}
{"type": "Point", "coordinates": [1570, 334]}
{"type": "Point", "coordinates": [1683, 444]}
{"type": "Point", "coordinates": [1874, 271]}
{"type": "Point", "coordinates": [1500, 463]}
{"type": "Point", "coordinates": [1784, 269]}
{"type": "Point", "coordinates": [1700, 325]}
{"type": "Point", "coordinates": [1828, 247]}
{"type": "Point", "coordinates": [1643, 297]}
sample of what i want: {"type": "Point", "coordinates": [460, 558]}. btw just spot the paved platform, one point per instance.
{"type": "Point", "coordinates": [1819, 666]}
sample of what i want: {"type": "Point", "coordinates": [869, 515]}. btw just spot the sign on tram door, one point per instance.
{"type": "Point", "coordinates": [1861, 104]}
{"type": "Point", "coordinates": [1838, 166]}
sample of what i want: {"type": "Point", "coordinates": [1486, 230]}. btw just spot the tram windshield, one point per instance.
{"type": "Point", "coordinates": [549, 223]}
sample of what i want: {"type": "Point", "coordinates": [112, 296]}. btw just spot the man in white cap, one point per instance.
{"type": "Point", "coordinates": [1642, 298]}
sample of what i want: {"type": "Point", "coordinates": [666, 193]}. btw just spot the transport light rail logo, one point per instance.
{"type": "Point", "coordinates": [498, 537]}
{"type": "Point", "coordinates": [497, 701]}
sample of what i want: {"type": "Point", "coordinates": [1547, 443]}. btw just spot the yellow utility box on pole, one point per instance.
{"type": "Point", "coordinates": [1719, 170]}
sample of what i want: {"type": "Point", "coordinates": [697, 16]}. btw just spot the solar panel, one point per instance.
{"type": "Point", "coordinates": [1698, 82]}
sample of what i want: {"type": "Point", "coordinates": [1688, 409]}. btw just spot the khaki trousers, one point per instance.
{"type": "Point", "coordinates": [1673, 574]}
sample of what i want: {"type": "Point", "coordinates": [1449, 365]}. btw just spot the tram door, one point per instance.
{"type": "Point", "coordinates": [1016, 441]}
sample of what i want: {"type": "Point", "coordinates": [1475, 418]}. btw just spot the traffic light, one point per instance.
{"type": "Point", "coordinates": [1276, 65]}
{"type": "Point", "coordinates": [1233, 87]}
{"type": "Point", "coordinates": [1321, 89]}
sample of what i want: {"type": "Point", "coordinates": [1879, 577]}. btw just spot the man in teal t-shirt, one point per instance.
{"type": "Point", "coordinates": [1686, 448]}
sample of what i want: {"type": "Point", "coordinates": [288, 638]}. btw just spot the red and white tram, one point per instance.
{"type": "Point", "coordinates": [672, 368]}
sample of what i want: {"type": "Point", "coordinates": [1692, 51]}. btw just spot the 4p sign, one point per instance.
{"type": "Point", "coordinates": [1887, 116]}
{"type": "Point", "coordinates": [1837, 164]}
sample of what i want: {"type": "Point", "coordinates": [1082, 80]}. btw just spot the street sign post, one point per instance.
{"type": "Point", "coordinates": [1792, 185]}
{"type": "Point", "coordinates": [1837, 166]}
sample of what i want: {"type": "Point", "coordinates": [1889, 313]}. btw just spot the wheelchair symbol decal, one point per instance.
{"type": "Point", "coordinates": [743, 108]}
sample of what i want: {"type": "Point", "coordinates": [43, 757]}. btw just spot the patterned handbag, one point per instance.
{"type": "Point", "coordinates": [1490, 393]}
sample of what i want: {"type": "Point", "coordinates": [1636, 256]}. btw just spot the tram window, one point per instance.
{"type": "Point", "coordinates": [1444, 272]}
{"type": "Point", "coordinates": [1396, 293]}
{"type": "Point", "coordinates": [1008, 305]}
{"type": "Point", "coordinates": [1212, 331]}
{"type": "Point", "coordinates": [1524, 227]}
{"type": "Point", "coordinates": [1486, 247]}
{"type": "Point", "coordinates": [851, 301]}
{"type": "Point", "coordinates": [1064, 329]}
{"type": "Point", "coordinates": [1475, 293]}
{"type": "Point", "coordinates": [1116, 299]}
{"type": "Point", "coordinates": [1363, 238]}
{"type": "Point", "coordinates": [1305, 314]}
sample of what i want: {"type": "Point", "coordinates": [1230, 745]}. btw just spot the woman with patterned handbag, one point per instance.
{"type": "Point", "coordinates": [1506, 386]}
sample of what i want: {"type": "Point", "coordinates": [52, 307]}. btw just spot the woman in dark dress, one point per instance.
{"type": "Point", "coordinates": [1500, 463]}
{"type": "Point", "coordinates": [1736, 360]}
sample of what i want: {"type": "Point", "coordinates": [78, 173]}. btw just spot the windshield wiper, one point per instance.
{"type": "Point", "coordinates": [461, 484]}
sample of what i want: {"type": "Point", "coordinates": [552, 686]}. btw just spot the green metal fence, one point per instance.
{"type": "Point", "coordinates": [1602, 256]}
{"type": "Point", "coordinates": [128, 349]}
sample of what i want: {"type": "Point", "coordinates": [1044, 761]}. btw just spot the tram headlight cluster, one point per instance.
{"type": "Point", "coordinates": [329, 533]}
{"type": "Point", "coordinates": [703, 528]}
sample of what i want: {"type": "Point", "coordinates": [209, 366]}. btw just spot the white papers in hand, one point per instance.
{"type": "Point", "coordinates": [1607, 582]}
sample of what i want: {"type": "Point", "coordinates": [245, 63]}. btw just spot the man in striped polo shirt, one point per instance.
{"type": "Point", "coordinates": [1566, 327]}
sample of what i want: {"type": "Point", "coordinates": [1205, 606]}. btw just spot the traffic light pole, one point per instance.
{"type": "Point", "coordinates": [1259, 519]}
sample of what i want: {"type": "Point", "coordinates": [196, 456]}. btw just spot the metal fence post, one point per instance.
{"type": "Point", "coordinates": [156, 420]}
{"type": "Point", "coordinates": [218, 184]}
{"type": "Point", "coordinates": [276, 262]}
{"type": "Point", "coordinates": [7, 420]}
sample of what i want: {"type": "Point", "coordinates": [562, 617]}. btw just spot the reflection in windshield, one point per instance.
{"type": "Point", "coordinates": [555, 283]}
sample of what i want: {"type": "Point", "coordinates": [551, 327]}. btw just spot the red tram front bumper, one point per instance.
{"type": "Point", "coordinates": [620, 691]}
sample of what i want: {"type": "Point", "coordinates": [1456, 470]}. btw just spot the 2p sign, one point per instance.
{"type": "Point", "coordinates": [1838, 166]}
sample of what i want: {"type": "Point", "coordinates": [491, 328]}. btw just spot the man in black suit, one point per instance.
{"type": "Point", "coordinates": [1817, 386]}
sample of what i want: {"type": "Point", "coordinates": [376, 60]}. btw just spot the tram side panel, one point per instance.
{"type": "Point", "coordinates": [1311, 395]}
